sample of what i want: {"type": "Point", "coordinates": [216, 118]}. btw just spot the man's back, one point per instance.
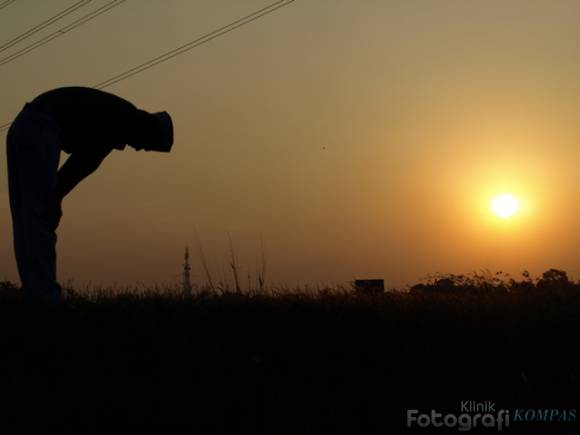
{"type": "Point", "coordinates": [88, 117]}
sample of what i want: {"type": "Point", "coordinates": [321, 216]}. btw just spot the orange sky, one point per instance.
{"type": "Point", "coordinates": [359, 139]}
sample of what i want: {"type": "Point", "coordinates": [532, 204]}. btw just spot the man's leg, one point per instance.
{"type": "Point", "coordinates": [33, 155]}
{"type": "Point", "coordinates": [14, 193]}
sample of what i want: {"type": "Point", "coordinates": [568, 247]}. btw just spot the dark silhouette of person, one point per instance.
{"type": "Point", "coordinates": [87, 124]}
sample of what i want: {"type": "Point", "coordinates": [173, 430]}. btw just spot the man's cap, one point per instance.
{"type": "Point", "coordinates": [165, 128]}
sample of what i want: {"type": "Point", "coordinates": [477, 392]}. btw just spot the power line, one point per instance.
{"type": "Point", "coordinates": [6, 3]}
{"type": "Point", "coordinates": [195, 43]}
{"type": "Point", "coordinates": [44, 24]}
{"type": "Point", "coordinates": [186, 47]}
{"type": "Point", "coordinates": [82, 20]}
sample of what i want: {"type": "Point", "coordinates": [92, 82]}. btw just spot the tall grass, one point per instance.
{"type": "Point", "coordinates": [287, 360]}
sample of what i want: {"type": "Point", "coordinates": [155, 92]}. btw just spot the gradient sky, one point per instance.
{"type": "Point", "coordinates": [357, 138]}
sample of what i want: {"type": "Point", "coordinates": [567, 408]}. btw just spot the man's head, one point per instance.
{"type": "Point", "coordinates": [152, 132]}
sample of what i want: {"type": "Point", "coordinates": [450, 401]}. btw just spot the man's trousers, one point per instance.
{"type": "Point", "coordinates": [33, 151]}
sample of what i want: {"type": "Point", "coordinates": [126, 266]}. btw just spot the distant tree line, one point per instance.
{"type": "Point", "coordinates": [499, 282]}
{"type": "Point", "coordinates": [477, 283]}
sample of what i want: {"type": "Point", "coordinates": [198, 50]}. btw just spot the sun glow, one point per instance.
{"type": "Point", "coordinates": [505, 205]}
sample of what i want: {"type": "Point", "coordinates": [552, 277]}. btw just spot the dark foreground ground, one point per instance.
{"type": "Point", "coordinates": [289, 364]}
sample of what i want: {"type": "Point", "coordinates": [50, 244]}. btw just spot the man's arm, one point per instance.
{"type": "Point", "coordinates": [77, 167]}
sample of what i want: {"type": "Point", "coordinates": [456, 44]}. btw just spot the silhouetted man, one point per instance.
{"type": "Point", "coordinates": [87, 124]}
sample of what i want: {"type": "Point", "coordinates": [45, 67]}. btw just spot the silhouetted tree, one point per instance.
{"type": "Point", "coordinates": [553, 278]}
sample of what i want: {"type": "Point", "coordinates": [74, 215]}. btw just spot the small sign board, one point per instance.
{"type": "Point", "coordinates": [370, 286]}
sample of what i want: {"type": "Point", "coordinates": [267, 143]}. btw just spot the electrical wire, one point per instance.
{"type": "Point", "coordinates": [82, 20]}
{"type": "Point", "coordinates": [6, 3]}
{"type": "Point", "coordinates": [44, 24]}
{"type": "Point", "coordinates": [186, 47]}
{"type": "Point", "coordinates": [195, 43]}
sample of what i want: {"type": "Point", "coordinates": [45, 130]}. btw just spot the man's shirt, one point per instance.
{"type": "Point", "coordinates": [90, 119]}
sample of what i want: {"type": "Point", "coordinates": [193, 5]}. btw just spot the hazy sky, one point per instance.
{"type": "Point", "coordinates": [358, 138]}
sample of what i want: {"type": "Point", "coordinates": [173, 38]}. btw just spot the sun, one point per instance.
{"type": "Point", "coordinates": [505, 205]}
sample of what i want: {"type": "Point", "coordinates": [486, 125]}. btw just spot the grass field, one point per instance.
{"type": "Point", "coordinates": [289, 362]}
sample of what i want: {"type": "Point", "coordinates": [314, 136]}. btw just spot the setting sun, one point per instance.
{"type": "Point", "coordinates": [505, 205]}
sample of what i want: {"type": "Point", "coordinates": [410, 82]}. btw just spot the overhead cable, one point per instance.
{"type": "Point", "coordinates": [82, 20]}
{"type": "Point", "coordinates": [44, 24]}
{"type": "Point", "coordinates": [186, 47]}
{"type": "Point", "coordinates": [6, 3]}
{"type": "Point", "coordinates": [195, 43]}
